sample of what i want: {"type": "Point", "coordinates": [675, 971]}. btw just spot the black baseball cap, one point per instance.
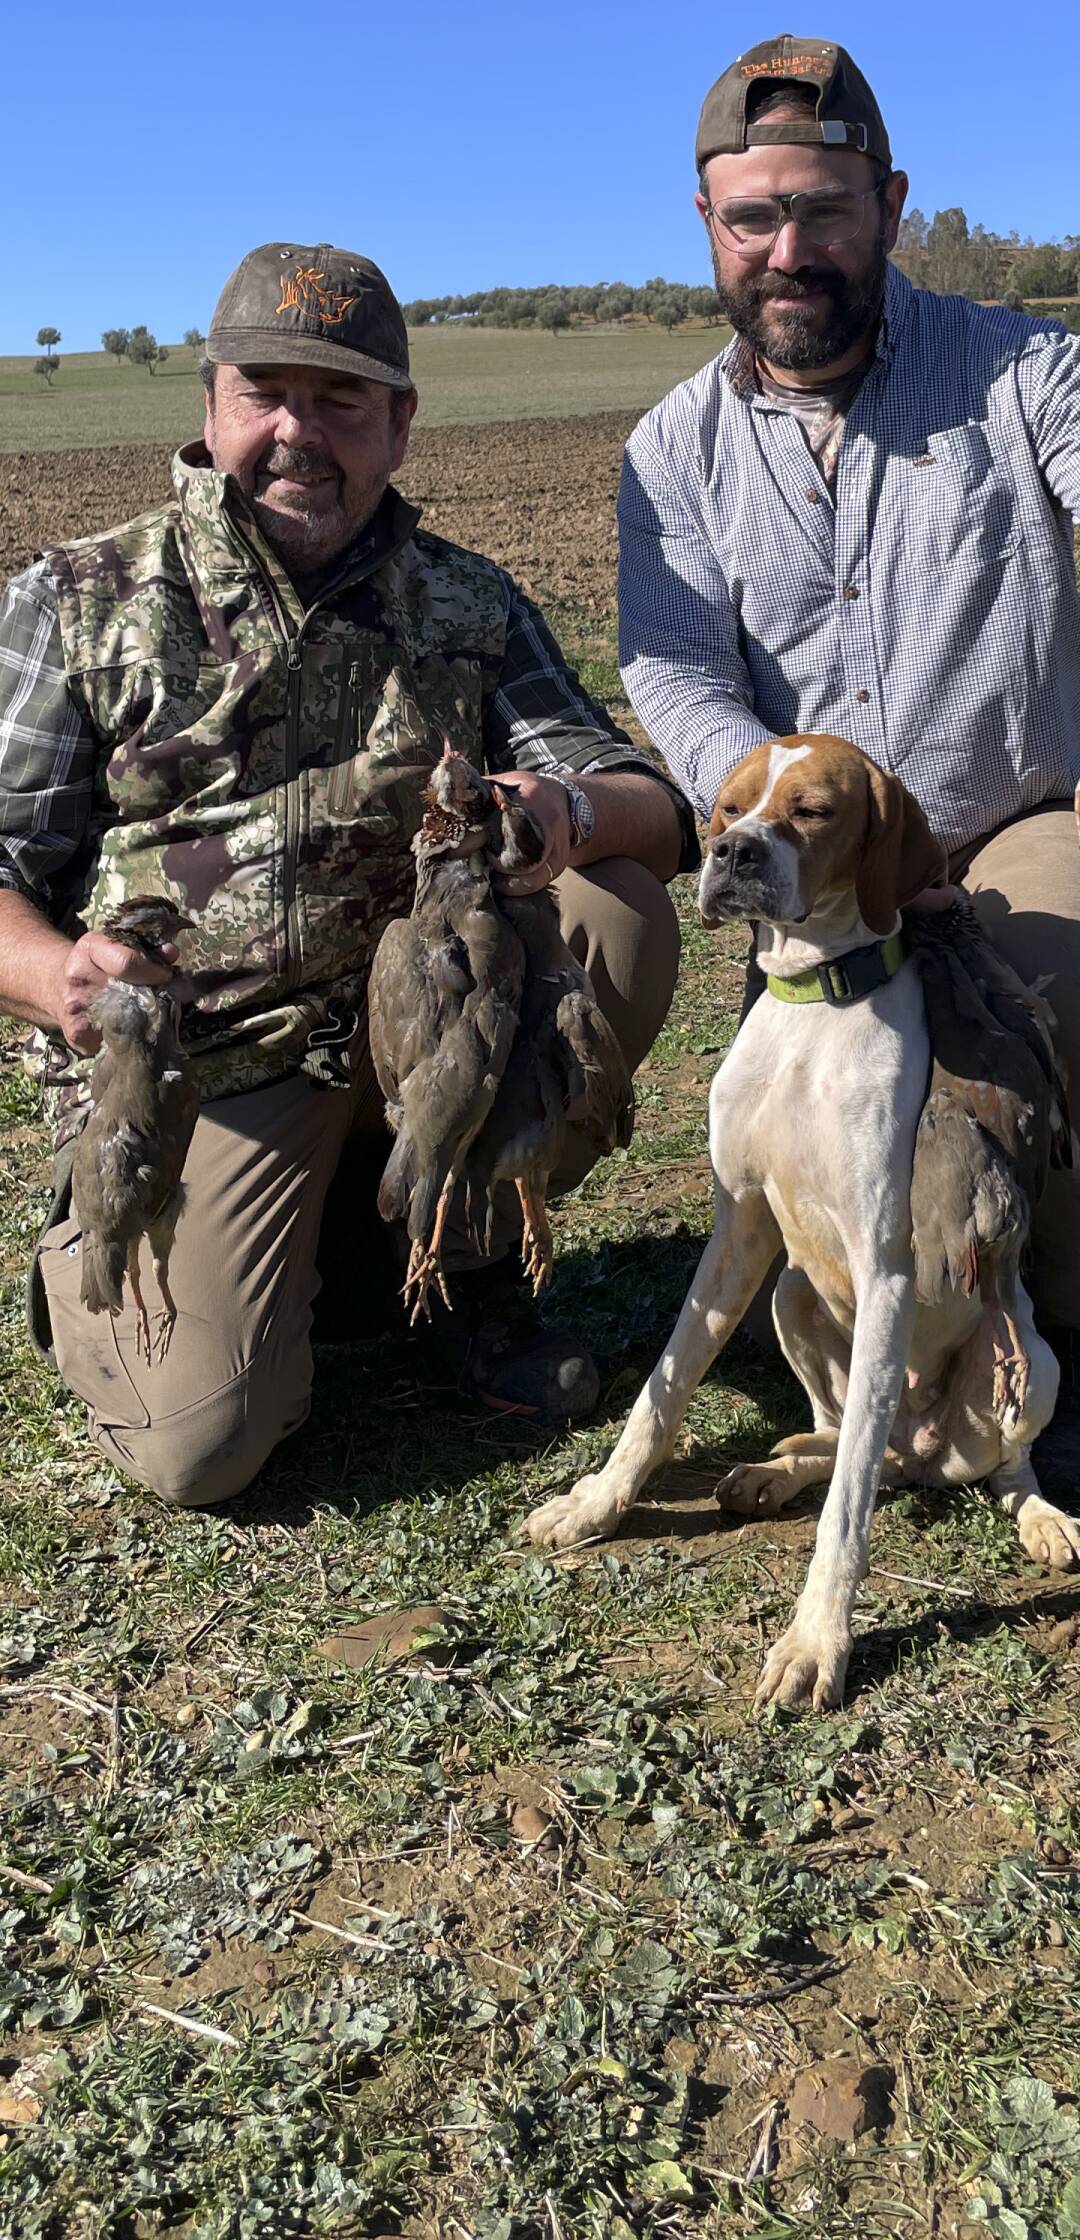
{"type": "Point", "coordinates": [847, 115]}
{"type": "Point", "coordinates": [286, 305]}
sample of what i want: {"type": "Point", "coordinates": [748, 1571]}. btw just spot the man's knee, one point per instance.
{"type": "Point", "coordinates": [210, 1452]}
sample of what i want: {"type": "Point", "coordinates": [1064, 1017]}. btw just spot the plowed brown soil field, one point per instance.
{"type": "Point", "coordinates": [538, 495]}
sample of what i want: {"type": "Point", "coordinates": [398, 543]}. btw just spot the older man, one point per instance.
{"type": "Point", "coordinates": [856, 520]}
{"type": "Point", "coordinates": [235, 701]}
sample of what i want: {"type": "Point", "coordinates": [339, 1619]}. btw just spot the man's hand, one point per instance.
{"type": "Point", "coordinates": [90, 963]}
{"type": "Point", "coordinates": [549, 803]}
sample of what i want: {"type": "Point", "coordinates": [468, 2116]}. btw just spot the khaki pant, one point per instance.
{"type": "Point", "coordinates": [238, 1376]}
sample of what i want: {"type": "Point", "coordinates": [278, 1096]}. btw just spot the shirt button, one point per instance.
{"type": "Point", "coordinates": [851, 590]}
{"type": "Point", "coordinates": [813, 497]}
{"type": "Point", "coordinates": [862, 693]}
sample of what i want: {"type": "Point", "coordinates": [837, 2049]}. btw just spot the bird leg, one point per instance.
{"type": "Point", "coordinates": [424, 1268]}
{"type": "Point", "coordinates": [537, 1242]}
{"type": "Point", "coordinates": [142, 1319]}
{"type": "Point", "coordinates": [166, 1321]}
{"type": "Point", "coordinates": [1012, 1370]}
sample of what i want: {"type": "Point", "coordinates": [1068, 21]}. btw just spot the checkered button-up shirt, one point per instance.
{"type": "Point", "coordinates": [923, 605]}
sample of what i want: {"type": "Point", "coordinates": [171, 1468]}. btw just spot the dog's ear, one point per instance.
{"type": "Point", "coordinates": [900, 854]}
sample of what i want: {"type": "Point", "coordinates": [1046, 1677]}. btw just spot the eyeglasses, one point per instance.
{"type": "Point", "coordinates": [749, 226]}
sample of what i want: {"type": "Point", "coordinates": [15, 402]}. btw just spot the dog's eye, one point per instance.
{"type": "Point", "coordinates": [730, 810]}
{"type": "Point", "coordinates": [810, 813]}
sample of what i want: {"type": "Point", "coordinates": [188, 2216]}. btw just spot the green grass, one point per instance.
{"type": "Point", "coordinates": [520, 2041]}
{"type": "Point", "coordinates": [464, 376]}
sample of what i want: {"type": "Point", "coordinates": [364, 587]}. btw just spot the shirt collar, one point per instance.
{"type": "Point", "coordinates": [737, 361]}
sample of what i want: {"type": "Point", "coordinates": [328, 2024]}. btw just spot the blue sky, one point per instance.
{"type": "Point", "coordinates": [146, 147]}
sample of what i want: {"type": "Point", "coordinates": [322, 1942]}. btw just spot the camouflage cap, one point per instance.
{"type": "Point", "coordinates": [847, 113]}
{"type": "Point", "coordinates": [285, 305]}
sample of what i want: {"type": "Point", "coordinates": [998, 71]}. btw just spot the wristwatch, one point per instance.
{"type": "Point", "coordinates": [582, 813]}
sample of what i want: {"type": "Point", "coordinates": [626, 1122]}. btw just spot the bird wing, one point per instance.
{"type": "Point", "coordinates": [602, 1097]}
{"type": "Point", "coordinates": [991, 1044]}
{"type": "Point", "coordinates": [443, 1008]}
{"type": "Point", "coordinates": [995, 1116]}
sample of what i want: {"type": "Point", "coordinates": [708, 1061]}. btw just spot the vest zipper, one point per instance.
{"type": "Point", "coordinates": [294, 659]}
{"type": "Point", "coordinates": [290, 639]}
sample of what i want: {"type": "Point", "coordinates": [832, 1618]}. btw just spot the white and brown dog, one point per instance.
{"type": "Point", "coordinates": [812, 1126]}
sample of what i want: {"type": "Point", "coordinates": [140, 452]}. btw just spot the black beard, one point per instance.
{"type": "Point", "coordinates": [803, 345]}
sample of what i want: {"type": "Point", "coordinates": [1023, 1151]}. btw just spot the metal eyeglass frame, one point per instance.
{"type": "Point", "coordinates": [789, 216]}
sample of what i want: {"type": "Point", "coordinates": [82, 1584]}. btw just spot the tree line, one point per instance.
{"type": "Point", "coordinates": [141, 348]}
{"type": "Point", "coordinates": [944, 253]}
{"type": "Point", "coordinates": [667, 302]}
{"type": "Point", "coordinates": [947, 254]}
{"type": "Point", "coordinates": [136, 344]}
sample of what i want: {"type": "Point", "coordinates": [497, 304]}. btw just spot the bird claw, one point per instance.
{"type": "Point", "coordinates": [142, 1337]}
{"type": "Point", "coordinates": [424, 1270]}
{"type": "Point", "coordinates": [166, 1324]}
{"type": "Point", "coordinates": [1012, 1374]}
{"type": "Point", "coordinates": [537, 1261]}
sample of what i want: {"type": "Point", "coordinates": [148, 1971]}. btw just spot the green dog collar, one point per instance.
{"type": "Point", "coordinates": [846, 979]}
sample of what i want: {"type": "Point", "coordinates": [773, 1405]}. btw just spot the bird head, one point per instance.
{"type": "Point", "coordinates": [522, 841]}
{"type": "Point", "coordinates": [146, 922]}
{"type": "Point", "coordinates": [462, 815]}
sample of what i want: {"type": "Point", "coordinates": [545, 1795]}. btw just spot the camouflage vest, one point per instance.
{"type": "Point", "coordinates": [264, 764]}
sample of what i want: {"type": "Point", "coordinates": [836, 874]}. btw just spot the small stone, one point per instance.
{"type": "Point", "coordinates": [257, 1740]}
{"type": "Point", "coordinates": [187, 1714]}
{"type": "Point", "coordinates": [530, 1825]}
{"type": "Point", "coordinates": [841, 2099]}
{"type": "Point", "coordinates": [848, 1816]}
{"type": "Point", "coordinates": [1055, 1934]}
{"type": "Point", "coordinates": [18, 2108]}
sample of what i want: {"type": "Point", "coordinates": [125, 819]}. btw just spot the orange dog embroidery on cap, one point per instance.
{"type": "Point", "coordinates": [302, 291]}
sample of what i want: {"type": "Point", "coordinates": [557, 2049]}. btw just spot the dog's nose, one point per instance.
{"type": "Point", "coordinates": [738, 854]}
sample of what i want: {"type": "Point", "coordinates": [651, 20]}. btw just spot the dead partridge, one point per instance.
{"type": "Point", "coordinates": [125, 1183]}
{"type": "Point", "coordinates": [995, 1120]}
{"type": "Point", "coordinates": [443, 1003]}
{"type": "Point", "coordinates": [565, 1072]}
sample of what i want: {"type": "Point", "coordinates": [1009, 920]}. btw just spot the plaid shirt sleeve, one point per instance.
{"type": "Point", "coordinates": [47, 748]}
{"type": "Point", "coordinates": [678, 633]}
{"type": "Point", "coordinates": [1049, 381]}
{"type": "Point", "coordinates": [541, 716]}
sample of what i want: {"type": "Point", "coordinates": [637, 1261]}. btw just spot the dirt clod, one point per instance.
{"type": "Point", "coordinates": [530, 1825]}
{"type": "Point", "coordinates": [841, 2099]}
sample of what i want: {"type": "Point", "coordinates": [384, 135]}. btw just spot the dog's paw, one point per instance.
{"type": "Point", "coordinates": [807, 1665]}
{"type": "Point", "coordinates": [1048, 1536]}
{"type": "Point", "coordinates": [761, 1489]}
{"type": "Point", "coordinates": [588, 1512]}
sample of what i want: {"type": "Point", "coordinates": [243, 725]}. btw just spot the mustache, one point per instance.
{"type": "Point", "coordinates": [766, 285]}
{"type": "Point", "coordinates": [296, 460]}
